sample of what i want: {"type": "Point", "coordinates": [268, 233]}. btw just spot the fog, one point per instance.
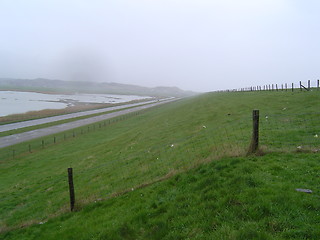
{"type": "Point", "coordinates": [195, 45]}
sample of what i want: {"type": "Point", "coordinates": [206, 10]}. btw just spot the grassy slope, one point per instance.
{"type": "Point", "coordinates": [138, 151]}
{"type": "Point", "coordinates": [235, 198]}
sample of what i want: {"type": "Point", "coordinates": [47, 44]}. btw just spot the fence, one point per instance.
{"type": "Point", "coordinates": [291, 132]}
{"type": "Point", "coordinates": [281, 87]}
{"type": "Point", "coordinates": [47, 141]}
{"type": "Point", "coordinates": [283, 132]}
{"type": "Point", "coordinates": [127, 169]}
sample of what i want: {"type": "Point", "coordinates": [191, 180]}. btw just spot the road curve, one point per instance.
{"type": "Point", "coordinates": [26, 136]}
{"type": "Point", "coordinates": [23, 124]}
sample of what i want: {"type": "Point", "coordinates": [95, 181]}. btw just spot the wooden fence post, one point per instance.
{"type": "Point", "coordinates": [292, 87]}
{"type": "Point", "coordinates": [255, 132]}
{"type": "Point", "coordinates": [308, 85]}
{"type": "Point", "coordinates": [318, 82]}
{"type": "Point", "coordinates": [71, 189]}
{"type": "Point", "coordinates": [300, 85]}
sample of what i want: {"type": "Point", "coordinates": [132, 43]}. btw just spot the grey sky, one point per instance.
{"type": "Point", "coordinates": [196, 45]}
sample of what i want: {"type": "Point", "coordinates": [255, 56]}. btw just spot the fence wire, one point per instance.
{"type": "Point", "coordinates": [128, 169]}
{"type": "Point", "coordinates": [290, 132]}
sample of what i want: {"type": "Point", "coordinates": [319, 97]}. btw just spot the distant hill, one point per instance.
{"type": "Point", "coordinates": [46, 85]}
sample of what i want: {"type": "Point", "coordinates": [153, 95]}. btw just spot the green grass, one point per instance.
{"type": "Point", "coordinates": [234, 198]}
{"type": "Point", "coordinates": [158, 144]}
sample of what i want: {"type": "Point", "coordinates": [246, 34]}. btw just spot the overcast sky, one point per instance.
{"type": "Point", "coordinates": [200, 45]}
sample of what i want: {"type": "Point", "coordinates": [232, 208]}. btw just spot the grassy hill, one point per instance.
{"type": "Point", "coordinates": [47, 85]}
{"type": "Point", "coordinates": [177, 171]}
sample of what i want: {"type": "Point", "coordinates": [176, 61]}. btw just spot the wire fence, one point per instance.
{"type": "Point", "coordinates": [301, 86]}
{"type": "Point", "coordinates": [129, 168]}
{"type": "Point", "coordinates": [290, 132]}
{"type": "Point", "coordinates": [47, 141]}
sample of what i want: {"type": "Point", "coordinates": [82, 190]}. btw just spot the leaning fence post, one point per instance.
{"type": "Point", "coordinates": [255, 132]}
{"type": "Point", "coordinates": [71, 189]}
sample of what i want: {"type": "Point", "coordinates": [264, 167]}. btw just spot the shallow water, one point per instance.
{"type": "Point", "coordinates": [13, 102]}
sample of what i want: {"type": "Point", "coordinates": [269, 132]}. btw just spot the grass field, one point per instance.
{"type": "Point", "coordinates": [188, 158]}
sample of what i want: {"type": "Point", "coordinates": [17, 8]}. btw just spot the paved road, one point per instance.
{"type": "Point", "coordinates": [8, 127]}
{"type": "Point", "coordinates": [22, 137]}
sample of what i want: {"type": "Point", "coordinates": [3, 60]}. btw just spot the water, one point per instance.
{"type": "Point", "coordinates": [12, 102]}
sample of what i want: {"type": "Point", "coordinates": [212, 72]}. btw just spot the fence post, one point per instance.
{"type": "Point", "coordinates": [292, 87]}
{"type": "Point", "coordinates": [71, 189]}
{"type": "Point", "coordinates": [255, 132]}
{"type": "Point", "coordinates": [309, 85]}
{"type": "Point", "coordinates": [318, 84]}
{"type": "Point", "coordinates": [300, 85]}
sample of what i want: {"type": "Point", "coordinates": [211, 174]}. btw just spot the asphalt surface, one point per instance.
{"type": "Point", "coordinates": [26, 136]}
{"type": "Point", "coordinates": [23, 124]}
